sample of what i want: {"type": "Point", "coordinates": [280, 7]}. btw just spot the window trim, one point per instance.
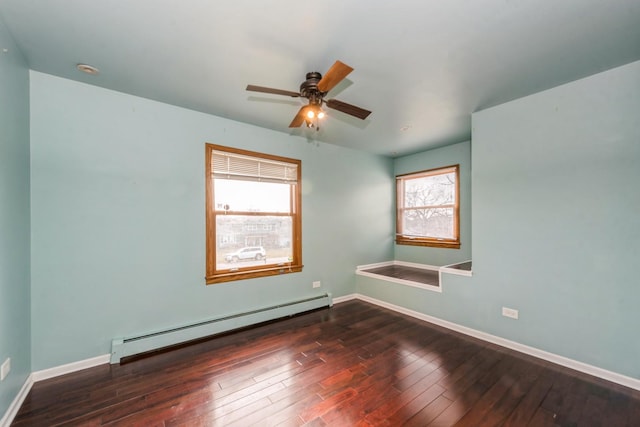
{"type": "Point", "coordinates": [428, 241]}
{"type": "Point", "coordinates": [214, 276]}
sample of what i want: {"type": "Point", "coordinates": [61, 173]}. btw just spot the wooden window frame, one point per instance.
{"type": "Point", "coordinates": [435, 242]}
{"type": "Point", "coordinates": [295, 265]}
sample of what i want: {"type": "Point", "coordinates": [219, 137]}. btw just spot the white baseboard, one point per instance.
{"type": "Point", "coordinates": [615, 377]}
{"type": "Point", "coordinates": [344, 298]}
{"type": "Point", "coordinates": [70, 367]}
{"type": "Point", "coordinates": [13, 409]}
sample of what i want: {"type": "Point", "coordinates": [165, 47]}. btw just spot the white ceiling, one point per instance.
{"type": "Point", "coordinates": [421, 66]}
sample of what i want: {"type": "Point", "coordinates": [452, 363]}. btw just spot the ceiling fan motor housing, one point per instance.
{"type": "Point", "coordinates": [309, 88]}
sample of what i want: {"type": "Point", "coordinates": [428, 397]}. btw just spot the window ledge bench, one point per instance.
{"type": "Point", "coordinates": [411, 274]}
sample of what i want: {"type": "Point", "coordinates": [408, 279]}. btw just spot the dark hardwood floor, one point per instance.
{"type": "Point", "coordinates": [352, 365]}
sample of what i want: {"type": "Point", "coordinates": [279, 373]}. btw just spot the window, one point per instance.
{"type": "Point", "coordinates": [253, 218]}
{"type": "Point", "coordinates": [428, 208]}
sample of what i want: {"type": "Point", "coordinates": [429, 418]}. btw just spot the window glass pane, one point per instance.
{"type": "Point", "coordinates": [249, 240]}
{"type": "Point", "coordinates": [251, 196]}
{"type": "Point", "coordinates": [435, 222]}
{"type": "Point", "coordinates": [430, 190]}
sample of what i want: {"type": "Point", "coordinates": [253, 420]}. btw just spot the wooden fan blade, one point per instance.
{"type": "Point", "coordinates": [298, 120]}
{"type": "Point", "coordinates": [358, 112]}
{"type": "Point", "coordinates": [336, 73]}
{"type": "Point", "coordinates": [271, 90]}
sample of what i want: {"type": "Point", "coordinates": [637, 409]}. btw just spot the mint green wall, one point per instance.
{"type": "Point", "coordinates": [15, 323]}
{"type": "Point", "coordinates": [556, 218]}
{"type": "Point", "coordinates": [456, 154]}
{"type": "Point", "coordinates": [556, 225]}
{"type": "Point", "coordinates": [117, 185]}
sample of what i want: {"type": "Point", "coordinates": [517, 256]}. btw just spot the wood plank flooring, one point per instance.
{"type": "Point", "coordinates": [355, 364]}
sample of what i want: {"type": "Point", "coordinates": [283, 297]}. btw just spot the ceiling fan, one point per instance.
{"type": "Point", "coordinates": [315, 88]}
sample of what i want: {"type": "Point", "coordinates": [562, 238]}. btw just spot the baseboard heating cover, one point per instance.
{"type": "Point", "coordinates": [124, 347]}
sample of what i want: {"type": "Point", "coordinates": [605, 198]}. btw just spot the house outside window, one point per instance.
{"type": "Point", "coordinates": [428, 208]}
{"type": "Point", "coordinates": [253, 214]}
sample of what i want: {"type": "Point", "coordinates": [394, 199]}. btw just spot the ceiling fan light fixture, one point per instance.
{"type": "Point", "coordinates": [315, 112]}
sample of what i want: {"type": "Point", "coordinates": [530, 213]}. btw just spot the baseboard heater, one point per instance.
{"type": "Point", "coordinates": [125, 347]}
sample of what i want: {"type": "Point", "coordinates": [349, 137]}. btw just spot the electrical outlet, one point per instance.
{"type": "Point", "coordinates": [510, 312]}
{"type": "Point", "coordinates": [5, 368]}
{"type": "Point", "coordinates": [317, 284]}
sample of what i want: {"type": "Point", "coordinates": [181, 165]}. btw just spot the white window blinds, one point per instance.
{"type": "Point", "coordinates": [226, 165]}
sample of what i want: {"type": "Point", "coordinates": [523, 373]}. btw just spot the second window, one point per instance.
{"type": "Point", "coordinates": [428, 208]}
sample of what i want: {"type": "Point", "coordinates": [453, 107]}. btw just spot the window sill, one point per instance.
{"type": "Point", "coordinates": [242, 275]}
{"type": "Point", "coordinates": [460, 269]}
{"type": "Point", "coordinates": [366, 270]}
{"type": "Point", "coordinates": [447, 244]}
{"type": "Point", "coordinates": [376, 271]}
